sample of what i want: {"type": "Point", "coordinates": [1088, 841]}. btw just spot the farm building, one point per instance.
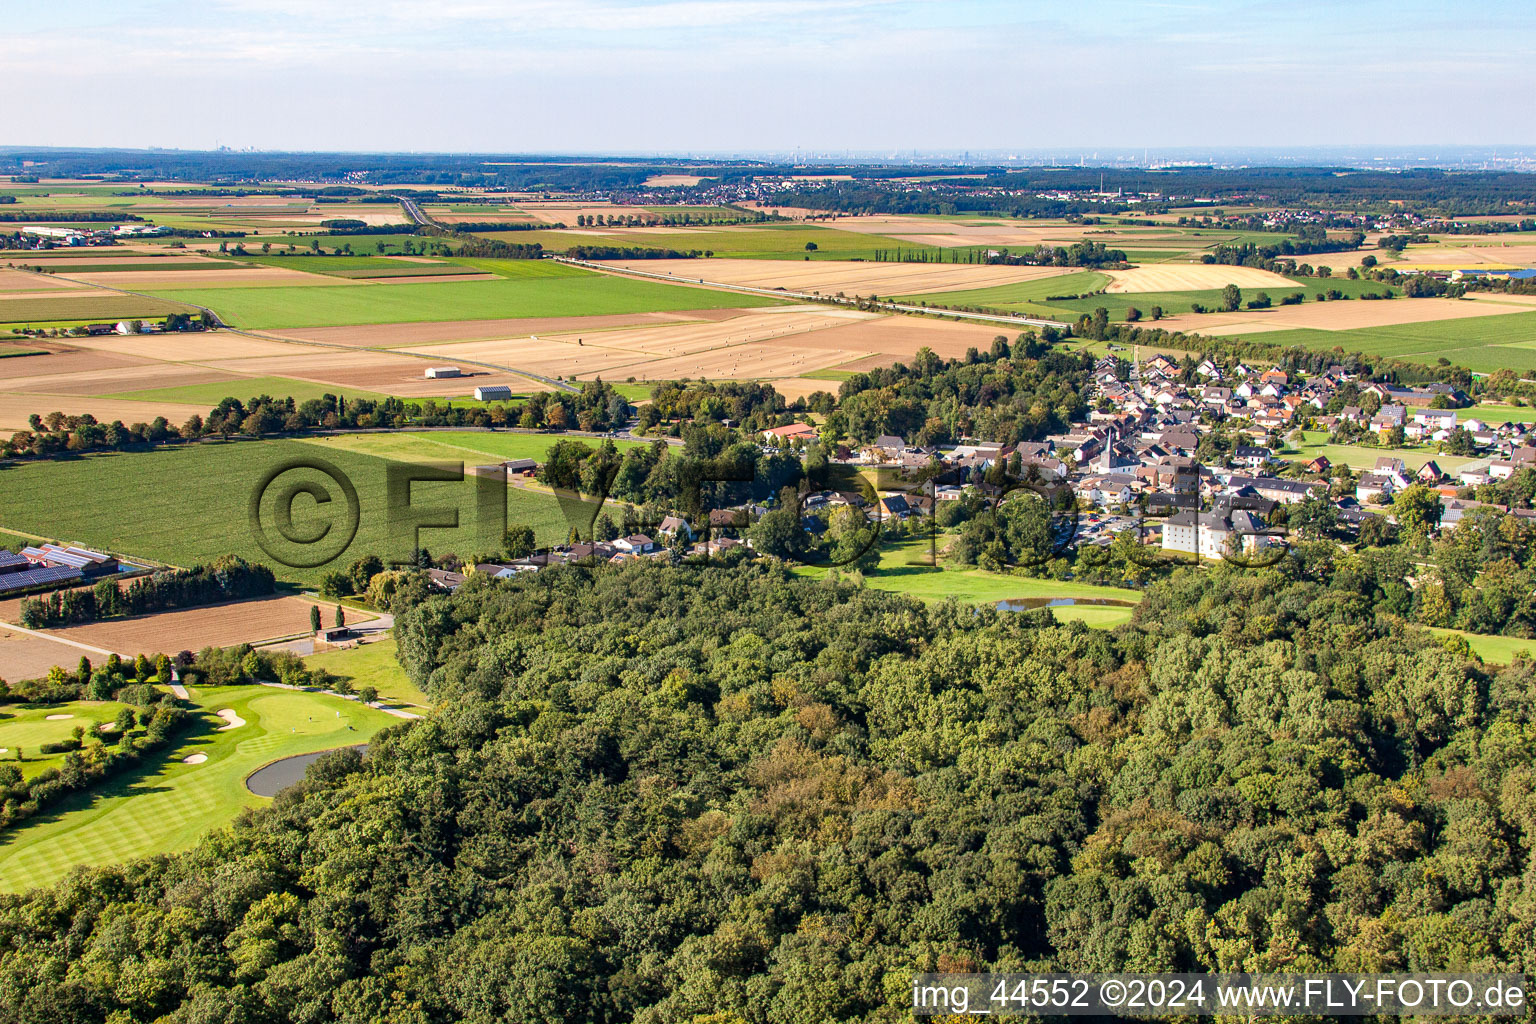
{"type": "Point", "coordinates": [493, 393]}
{"type": "Point", "coordinates": [88, 562]}
{"type": "Point", "coordinates": [794, 431]}
{"type": "Point", "coordinates": [439, 372]}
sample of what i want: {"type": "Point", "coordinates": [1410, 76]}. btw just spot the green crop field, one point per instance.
{"type": "Point", "coordinates": [373, 665]}
{"type": "Point", "coordinates": [107, 306]}
{"type": "Point", "coordinates": [578, 293]}
{"type": "Point", "coordinates": [167, 805]}
{"type": "Point", "coordinates": [213, 393]}
{"type": "Point", "coordinates": [1030, 296]}
{"type": "Point", "coordinates": [189, 504]}
{"type": "Point", "coordinates": [358, 266]}
{"type": "Point", "coordinates": [1483, 344]}
{"type": "Point", "coordinates": [746, 241]}
{"type": "Point", "coordinates": [473, 446]}
{"type": "Point", "coordinates": [10, 351]}
{"type": "Point", "coordinates": [25, 727]}
{"type": "Point", "coordinates": [361, 244]}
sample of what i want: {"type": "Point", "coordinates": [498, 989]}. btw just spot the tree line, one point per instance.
{"type": "Point", "coordinates": [230, 578]}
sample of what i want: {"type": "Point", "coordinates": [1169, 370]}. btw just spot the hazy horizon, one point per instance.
{"type": "Point", "coordinates": [766, 76]}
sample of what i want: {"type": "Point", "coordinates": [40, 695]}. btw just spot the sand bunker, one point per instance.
{"type": "Point", "coordinates": [231, 720]}
{"type": "Point", "coordinates": [194, 759]}
{"type": "Point", "coordinates": [58, 718]}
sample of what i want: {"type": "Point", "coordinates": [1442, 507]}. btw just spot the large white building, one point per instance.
{"type": "Point", "coordinates": [493, 393]}
{"type": "Point", "coordinates": [1221, 531]}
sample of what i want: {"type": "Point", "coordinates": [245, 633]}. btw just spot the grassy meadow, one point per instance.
{"type": "Point", "coordinates": [568, 292]}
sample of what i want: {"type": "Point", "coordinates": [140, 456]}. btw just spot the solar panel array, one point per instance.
{"type": "Point", "coordinates": [14, 581]}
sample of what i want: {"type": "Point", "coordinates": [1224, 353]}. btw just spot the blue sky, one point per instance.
{"type": "Point", "coordinates": [765, 75]}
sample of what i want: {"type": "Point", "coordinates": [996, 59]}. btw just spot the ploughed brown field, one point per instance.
{"type": "Point", "coordinates": [218, 625]}
{"type": "Point", "coordinates": [29, 656]}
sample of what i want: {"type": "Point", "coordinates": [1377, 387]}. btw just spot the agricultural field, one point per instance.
{"type": "Point", "coordinates": [572, 293]}
{"type": "Point", "coordinates": [187, 505]}
{"type": "Point", "coordinates": [362, 245]}
{"type": "Point", "coordinates": [215, 625]}
{"type": "Point", "coordinates": [473, 447]}
{"type": "Point", "coordinates": [1482, 344]}
{"type": "Point", "coordinates": [766, 344]}
{"type": "Point", "coordinates": [26, 727]}
{"type": "Point", "coordinates": [782, 241]}
{"type": "Point", "coordinates": [362, 267]}
{"type": "Point", "coordinates": [848, 277]}
{"type": "Point", "coordinates": [1032, 297]}
{"type": "Point", "coordinates": [212, 393]}
{"type": "Point", "coordinates": [169, 804]}
{"type": "Point", "coordinates": [30, 307]}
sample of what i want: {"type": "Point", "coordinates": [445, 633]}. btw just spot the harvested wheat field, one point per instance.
{"type": "Point", "coordinates": [100, 381]}
{"type": "Point", "coordinates": [1340, 316]}
{"type": "Point", "coordinates": [401, 375]}
{"type": "Point", "coordinates": [648, 352]}
{"type": "Point", "coordinates": [219, 625]}
{"type": "Point", "coordinates": [785, 342]}
{"type": "Point", "coordinates": [1451, 257]}
{"type": "Point", "coordinates": [437, 331]}
{"type": "Point", "coordinates": [61, 361]}
{"type": "Point", "coordinates": [15, 408]}
{"type": "Point", "coordinates": [743, 362]}
{"type": "Point", "coordinates": [22, 281]}
{"type": "Point", "coordinates": [202, 346]}
{"type": "Point", "coordinates": [802, 387]}
{"type": "Point", "coordinates": [887, 339]}
{"type": "Point", "coordinates": [851, 277]}
{"type": "Point", "coordinates": [547, 356]}
{"type": "Point", "coordinates": [30, 656]}
{"type": "Point", "coordinates": [1187, 278]}
{"type": "Point", "coordinates": [48, 292]}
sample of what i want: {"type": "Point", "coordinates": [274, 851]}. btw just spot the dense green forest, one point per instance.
{"type": "Point", "coordinates": [724, 794]}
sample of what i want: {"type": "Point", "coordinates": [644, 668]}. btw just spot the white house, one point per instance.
{"type": "Point", "coordinates": [1213, 534]}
